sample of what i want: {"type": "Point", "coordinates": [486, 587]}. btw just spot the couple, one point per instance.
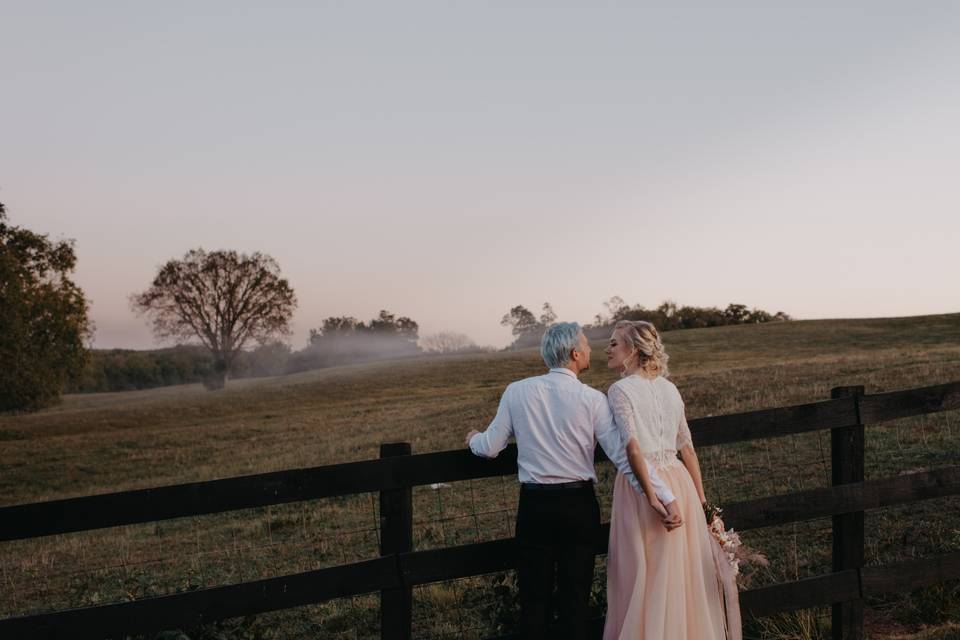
{"type": "Point", "coordinates": [666, 578]}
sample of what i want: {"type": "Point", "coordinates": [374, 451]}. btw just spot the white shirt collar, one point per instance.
{"type": "Point", "coordinates": [564, 371]}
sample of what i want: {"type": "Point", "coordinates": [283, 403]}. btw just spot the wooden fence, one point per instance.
{"type": "Point", "coordinates": [399, 568]}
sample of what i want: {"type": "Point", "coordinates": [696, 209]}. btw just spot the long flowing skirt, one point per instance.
{"type": "Point", "coordinates": [666, 585]}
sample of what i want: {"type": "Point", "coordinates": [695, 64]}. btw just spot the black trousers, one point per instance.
{"type": "Point", "coordinates": [557, 531]}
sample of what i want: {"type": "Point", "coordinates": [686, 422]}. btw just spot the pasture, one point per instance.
{"type": "Point", "coordinates": [107, 442]}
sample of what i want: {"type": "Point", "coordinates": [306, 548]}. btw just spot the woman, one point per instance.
{"type": "Point", "coordinates": [661, 585]}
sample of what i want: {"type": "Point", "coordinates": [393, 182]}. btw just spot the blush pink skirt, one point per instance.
{"type": "Point", "coordinates": [667, 585]}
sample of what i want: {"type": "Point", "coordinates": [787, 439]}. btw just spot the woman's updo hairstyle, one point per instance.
{"type": "Point", "coordinates": [643, 339]}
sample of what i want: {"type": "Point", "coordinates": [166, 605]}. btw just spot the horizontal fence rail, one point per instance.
{"type": "Point", "coordinates": [881, 407]}
{"type": "Point", "coordinates": [245, 492]}
{"type": "Point", "coordinates": [423, 567]}
{"type": "Point", "coordinates": [280, 487]}
{"type": "Point", "coordinates": [397, 571]}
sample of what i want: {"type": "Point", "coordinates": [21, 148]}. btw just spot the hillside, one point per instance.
{"type": "Point", "coordinates": [342, 413]}
{"type": "Point", "coordinates": [106, 442]}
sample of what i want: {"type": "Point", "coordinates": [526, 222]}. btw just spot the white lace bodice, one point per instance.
{"type": "Point", "coordinates": [651, 411]}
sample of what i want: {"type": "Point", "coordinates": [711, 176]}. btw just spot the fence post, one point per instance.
{"type": "Point", "coordinates": [396, 536]}
{"type": "Point", "coordinates": [847, 461]}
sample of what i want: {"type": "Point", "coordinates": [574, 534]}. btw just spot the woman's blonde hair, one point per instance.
{"type": "Point", "coordinates": [644, 340]}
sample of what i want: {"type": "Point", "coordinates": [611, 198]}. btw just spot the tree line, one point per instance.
{"type": "Point", "coordinates": [527, 328]}
{"type": "Point", "coordinates": [338, 340]}
{"type": "Point", "coordinates": [230, 313]}
{"type": "Point", "coordinates": [670, 316]}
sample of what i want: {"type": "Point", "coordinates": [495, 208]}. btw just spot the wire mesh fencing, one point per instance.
{"type": "Point", "coordinates": [137, 561]}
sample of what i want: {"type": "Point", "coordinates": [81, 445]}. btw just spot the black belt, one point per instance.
{"type": "Point", "coordinates": [560, 486]}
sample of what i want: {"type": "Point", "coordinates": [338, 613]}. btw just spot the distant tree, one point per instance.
{"type": "Point", "coordinates": [736, 313]}
{"type": "Point", "coordinates": [339, 327]}
{"type": "Point", "coordinates": [345, 339]}
{"type": "Point", "coordinates": [614, 307]}
{"type": "Point", "coordinates": [700, 317]}
{"type": "Point", "coordinates": [526, 327]}
{"type": "Point", "coordinates": [637, 312]}
{"type": "Point", "coordinates": [224, 299]}
{"type": "Point", "coordinates": [547, 315]}
{"type": "Point", "coordinates": [447, 342]}
{"type": "Point", "coordinates": [519, 319]}
{"type": "Point", "coordinates": [126, 369]}
{"type": "Point", "coordinates": [44, 324]}
{"type": "Point", "coordinates": [669, 316]}
{"type": "Point", "coordinates": [387, 324]}
{"type": "Point", "coordinates": [757, 316]}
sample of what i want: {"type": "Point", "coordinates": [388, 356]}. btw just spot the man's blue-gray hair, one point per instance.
{"type": "Point", "coordinates": [558, 341]}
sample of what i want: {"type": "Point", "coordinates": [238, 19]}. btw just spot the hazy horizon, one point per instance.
{"type": "Point", "coordinates": [447, 162]}
{"type": "Point", "coordinates": [296, 345]}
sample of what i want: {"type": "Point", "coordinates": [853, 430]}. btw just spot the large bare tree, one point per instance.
{"type": "Point", "coordinates": [223, 299]}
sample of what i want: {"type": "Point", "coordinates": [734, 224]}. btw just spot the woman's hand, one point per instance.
{"type": "Point", "coordinates": [669, 514]}
{"type": "Point", "coordinates": [470, 435]}
{"type": "Point", "coordinates": [673, 519]}
{"type": "Point", "coordinates": [657, 505]}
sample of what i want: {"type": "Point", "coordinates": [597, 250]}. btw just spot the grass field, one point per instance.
{"type": "Point", "coordinates": [107, 442]}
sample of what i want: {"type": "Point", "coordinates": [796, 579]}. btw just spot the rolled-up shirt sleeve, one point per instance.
{"type": "Point", "coordinates": [611, 440]}
{"type": "Point", "coordinates": [491, 442]}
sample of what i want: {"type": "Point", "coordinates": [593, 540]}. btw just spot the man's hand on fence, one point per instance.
{"type": "Point", "coordinates": [470, 434]}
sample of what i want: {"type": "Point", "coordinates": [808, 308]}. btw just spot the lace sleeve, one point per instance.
{"type": "Point", "coordinates": [683, 432]}
{"type": "Point", "coordinates": [623, 414]}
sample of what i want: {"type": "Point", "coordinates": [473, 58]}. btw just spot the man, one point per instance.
{"type": "Point", "coordinates": [557, 421]}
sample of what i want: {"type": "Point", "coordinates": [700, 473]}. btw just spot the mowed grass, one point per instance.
{"type": "Point", "coordinates": [109, 442]}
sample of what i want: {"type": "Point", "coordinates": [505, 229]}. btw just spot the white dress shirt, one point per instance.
{"type": "Point", "coordinates": [557, 421]}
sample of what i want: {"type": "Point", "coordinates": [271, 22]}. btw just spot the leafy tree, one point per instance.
{"type": "Point", "coordinates": [520, 320]}
{"type": "Point", "coordinates": [126, 369]}
{"type": "Point", "coordinates": [757, 316]}
{"type": "Point", "coordinates": [547, 315]}
{"type": "Point", "coordinates": [526, 327]}
{"type": "Point", "coordinates": [43, 318]}
{"type": "Point", "coordinates": [388, 324]}
{"type": "Point", "coordinates": [669, 316]}
{"type": "Point", "coordinates": [223, 299]}
{"type": "Point", "coordinates": [346, 339]}
{"type": "Point", "coordinates": [736, 313]}
{"type": "Point", "coordinates": [615, 307]}
{"type": "Point", "coordinates": [700, 317]}
{"type": "Point", "coordinates": [342, 326]}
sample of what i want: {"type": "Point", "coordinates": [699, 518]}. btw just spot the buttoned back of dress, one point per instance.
{"type": "Point", "coordinates": [652, 412]}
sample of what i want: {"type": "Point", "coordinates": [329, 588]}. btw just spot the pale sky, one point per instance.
{"type": "Point", "coordinates": [449, 160]}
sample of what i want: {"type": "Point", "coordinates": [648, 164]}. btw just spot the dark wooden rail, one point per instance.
{"type": "Point", "coordinates": [399, 569]}
{"type": "Point", "coordinates": [279, 487]}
